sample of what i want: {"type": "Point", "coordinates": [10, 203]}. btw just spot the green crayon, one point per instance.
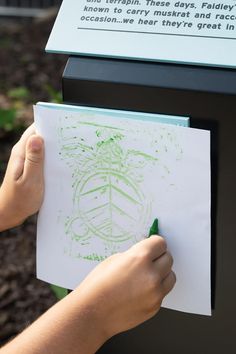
{"type": "Point", "coordinates": [154, 228]}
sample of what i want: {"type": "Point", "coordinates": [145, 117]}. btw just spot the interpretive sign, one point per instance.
{"type": "Point", "coordinates": [197, 32]}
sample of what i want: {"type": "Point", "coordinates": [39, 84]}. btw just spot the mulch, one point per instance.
{"type": "Point", "coordinates": [23, 298]}
{"type": "Point", "coordinates": [23, 62]}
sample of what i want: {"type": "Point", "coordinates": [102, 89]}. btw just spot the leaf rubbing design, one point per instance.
{"type": "Point", "coordinates": [109, 203]}
{"type": "Point", "coordinates": [107, 207]}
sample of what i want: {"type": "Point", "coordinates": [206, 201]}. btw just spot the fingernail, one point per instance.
{"type": "Point", "coordinates": [36, 144]}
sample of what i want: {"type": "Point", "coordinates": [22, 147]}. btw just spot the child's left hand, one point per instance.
{"type": "Point", "coordinates": [21, 193]}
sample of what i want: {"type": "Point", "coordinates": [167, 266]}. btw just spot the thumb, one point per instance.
{"type": "Point", "coordinates": [34, 157]}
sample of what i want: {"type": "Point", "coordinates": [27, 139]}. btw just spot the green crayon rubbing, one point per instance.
{"type": "Point", "coordinates": [154, 228]}
{"type": "Point", "coordinates": [107, 184]}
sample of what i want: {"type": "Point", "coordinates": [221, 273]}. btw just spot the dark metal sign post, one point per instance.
{"type": "Point", "coordinates": [208, 96]}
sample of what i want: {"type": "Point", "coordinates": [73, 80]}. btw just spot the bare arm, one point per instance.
{"type": "Point", "coordinates": [122, 292]}
{"type": "Point", "coordinates": [119, 294]}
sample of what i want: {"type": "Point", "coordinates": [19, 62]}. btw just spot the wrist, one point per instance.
{"type": "Point", "coordinates": [76, 328]}
{"type": "Point", "coordinates": [94, 316]}
{"type": "Point", "coordinates": [83, 320]}
{"type": "Point", "coordinates": [5, 222]}
{"type": "Point", "coordinates": [9, 216]}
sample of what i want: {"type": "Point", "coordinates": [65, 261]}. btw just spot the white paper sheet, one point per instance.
{"type": "Point", "coordinates": [106, 179]}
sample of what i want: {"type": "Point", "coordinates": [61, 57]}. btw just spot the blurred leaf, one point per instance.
{"type": "Point", "coordinates": [5, 42]}
{"type": "Point", "coordinates": [59, 292]}
{"type": "Point", "coordinates": [19, 93]}
{"type": "Point", "coordinates": [7, 119]}
{"type": "Point", "coordinates": [54, 96]}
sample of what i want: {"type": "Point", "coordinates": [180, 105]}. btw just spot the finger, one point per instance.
{"type": "Point", "coordinates": [16, 163]}
{"type": "Point", "coordinates": [27, 133]}
{"type": "Point", "coordinates": [34, 158]}
{"type": "Point", "coordinates": [21, 145]}
{"type": "Point", "coordinates": [153, 247]}
{"type": "Point", "coordinates": [163, 264]}
{"type": "Point", "coordinates": [168, 283]}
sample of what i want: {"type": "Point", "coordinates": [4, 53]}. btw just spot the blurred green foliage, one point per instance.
{"type": "Point", "coordinates": [59, 292]}
{"type": "Point", "coordinates": [54, 96]}
{"type": "Point", "coordinates": [19, 93]}
{"type": "Point", "coordinates": [7, 119]}
{"type": "Point", "coordinates": [5, 42]}
{"type": "Point", "coordinates": [17, 102]}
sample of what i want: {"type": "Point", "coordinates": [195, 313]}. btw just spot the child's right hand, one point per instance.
{"type": "Point", "coordinates": [128, 288]}
{"type": "Point", "coordinates": [120, 293]}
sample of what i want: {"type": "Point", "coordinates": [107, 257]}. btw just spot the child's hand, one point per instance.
{"type": "Point", "coordinates": [21, 193]}
{"type": "Point", "coordinates": [128, 288]}
{"type": "Point", "coordinates": [120, 293]}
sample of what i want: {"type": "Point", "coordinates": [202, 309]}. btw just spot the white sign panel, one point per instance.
{"type": "Point", "coordinates": [196, 32]}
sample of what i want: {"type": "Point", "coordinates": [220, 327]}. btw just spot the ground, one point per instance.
{"type": "Point", "coordinates": [27, 75]}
